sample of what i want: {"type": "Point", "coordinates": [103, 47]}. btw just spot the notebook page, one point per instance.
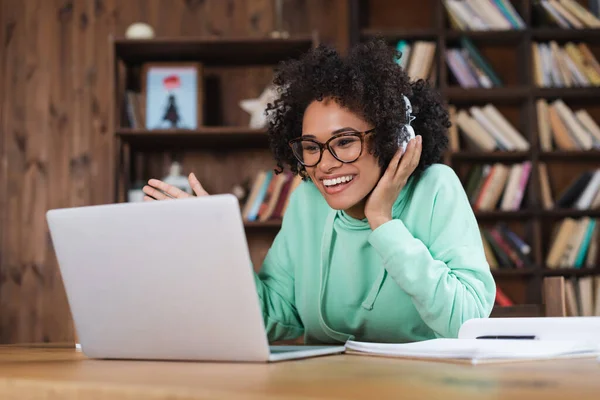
{"type": "Point", "coordinates": [477, 349]}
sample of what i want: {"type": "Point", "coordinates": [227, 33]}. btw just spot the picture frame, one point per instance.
{"type": "Point", "coordinates": [173, 95]}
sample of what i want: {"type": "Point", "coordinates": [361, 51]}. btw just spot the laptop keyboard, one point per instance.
{"type": "Point", "coordinates": [284, 349]}
{"type": "Point", "coordinates": [287, 349]}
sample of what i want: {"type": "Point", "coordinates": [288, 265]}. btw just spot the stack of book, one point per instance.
{"type": "Point", "coordinates": [570, 65]}
{"type": "Point", "coordinates": [470, 68]}
{"type": "Point", "coordinates": [504, 249]}
{"type": "Point", "coordinates": [473, 15]}
{"type": "Point", "coordinates": [489, 186]}
{"type": "Point", "coordinates": [485, 128]}
{"type": "Point", "coordinates": [418, 59]}
{"type": "Point", "coordinates": [574, 244]}
{"type": "Point", "coordinates": [567, 14]}
{"type": "Point", "coordinates": [269, 196]}
{"type": "Point", "coordinates": [561, 127]}
{"type": "Point", "coordinates": [582, 296]}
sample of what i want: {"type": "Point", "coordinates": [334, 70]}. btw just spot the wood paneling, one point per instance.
{"type": "Point", "coordinates": [56, 139]}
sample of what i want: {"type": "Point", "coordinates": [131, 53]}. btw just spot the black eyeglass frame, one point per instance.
{"type": "Point", "coordinates": [323, 146]}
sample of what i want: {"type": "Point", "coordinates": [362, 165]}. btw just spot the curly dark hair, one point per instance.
{"type": "Point", "coordinates": [369, 82]}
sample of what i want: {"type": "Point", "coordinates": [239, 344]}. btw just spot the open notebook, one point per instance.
{"type": "Point", "coordinates": [500, 340]}
{"type": "Point", "coordinates": [477, 351]}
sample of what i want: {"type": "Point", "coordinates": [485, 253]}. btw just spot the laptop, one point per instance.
{"type": "Point", "coordinates": [164, 280]}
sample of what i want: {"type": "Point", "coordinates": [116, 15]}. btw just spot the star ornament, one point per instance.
{"type": "Point", "coordinates": [256, 107]}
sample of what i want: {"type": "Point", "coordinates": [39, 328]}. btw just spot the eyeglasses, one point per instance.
{"type": "Point", "coordinates": [346, 147]}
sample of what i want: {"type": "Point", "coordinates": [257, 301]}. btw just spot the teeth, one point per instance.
{"type": "Point", "coordinates": [337, 181]}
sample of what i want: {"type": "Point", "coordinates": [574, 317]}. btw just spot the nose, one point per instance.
{"type": "Point", "coordinates": [328, 161]}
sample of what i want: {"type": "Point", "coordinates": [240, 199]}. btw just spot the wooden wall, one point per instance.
{"type": "Point", "coordinates": [56, 146]}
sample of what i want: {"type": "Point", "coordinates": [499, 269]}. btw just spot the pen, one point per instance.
{"type": "Point", "coordinates": [526, 337]}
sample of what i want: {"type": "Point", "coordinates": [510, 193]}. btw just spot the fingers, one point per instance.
{"type": "Point", "coordinates": [417, 153]}
{"type": "Point", "coordinates": [170, 190]}
{"type": "Point", "coordinates": [411, 158]}
{"type": "Point", "coordinates": [153, 194]}
{"type": "Point", "coordinates": [393, 165]}
{"type": "Point", "coordinates": [196, 185]}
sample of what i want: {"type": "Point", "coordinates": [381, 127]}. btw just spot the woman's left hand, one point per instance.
{"type": "Point", "coordinates": [378, 209]}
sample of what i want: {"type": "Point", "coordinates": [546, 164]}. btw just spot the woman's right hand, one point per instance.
{"type": "Point", "coordinates": [159, 190]}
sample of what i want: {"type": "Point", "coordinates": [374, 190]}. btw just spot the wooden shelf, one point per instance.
{"type": "Point", "coordinates": [514, 272]}
{"type": "Point", "coordinates": [212, 51]}
{"type": "Point", "coordinates": [569, 213]}
{"type": "Point", "coordinates": [570, 93]}
{"type": "Point", "coordinates": [495, 36]}
{"type": "Point", "coordinates": [515, 94]}
{"type": "Point", "coordinates": [226, 136]}
{"type": "Point", "coordinates": [518, 310]}
{"type": "Point", "coordinates": [576, 155]}
{"type": "Point", "coordinates": [571, 271]}
{"type": "Point", "coordinates": [499, 214]}
{"type": "Point", "coordinates": [266, 224]}
{"type": "Point", "coordinates": [399, 34]}
{"type": "Point", "coordinates": [545, 34]}
{"type": "Point", "coordinates": [589, 35]}
{"type": "Point", "coordinates": [490, 156]}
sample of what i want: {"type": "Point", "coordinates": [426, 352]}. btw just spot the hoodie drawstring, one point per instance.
{"type": "Point", "coordinates": [324, 269]}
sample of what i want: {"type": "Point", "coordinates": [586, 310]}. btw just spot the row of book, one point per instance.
{"type": "Point", "coordinates": [466, 15]}
{"type": "Point", "coordinates": [269, 195]}
{"type": "Point", "coordinates": [559, 126]}
{"type": "Point", "coordinates": [582, 296]}
{"type": "Point", "coordinates": [569, 65]}
{"type": "Point", "coordinates": [554, 65]}
{"type": "Point", "coordinates": [574, 244]}
{"type": "Point", "coordinates": [502, 187]}
{"type": "Point", "coordinates": [501, 15]}
{"type": "Point", "coordinates": [418, 59]}
{"type": "Point", "coordinates": [469, 67]}
{"type": "Point", "coordinates": [504, 249]}
{"type": "Point", "coordinates": [492, 186]}
{"type": "Point", "coordinates": [485, 128]}
{"type": "Point", "coordinates": [567, 14]}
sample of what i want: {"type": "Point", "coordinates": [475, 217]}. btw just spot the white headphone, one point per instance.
{"type": "Point", "coordinates": [406, 128]}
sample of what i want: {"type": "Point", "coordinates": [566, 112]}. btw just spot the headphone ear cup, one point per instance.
{"type": "Point", "coordinates": [410, 132]}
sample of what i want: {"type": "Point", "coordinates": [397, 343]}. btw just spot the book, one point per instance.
{"type": "Point", "coordinates": [476, 351]}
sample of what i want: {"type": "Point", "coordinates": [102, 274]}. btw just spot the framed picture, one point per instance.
{"type": "Point", "coordinates": [173, 95]}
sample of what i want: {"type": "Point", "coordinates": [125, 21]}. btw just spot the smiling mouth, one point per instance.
{"type": "Point", "coordinates": [336, 185]}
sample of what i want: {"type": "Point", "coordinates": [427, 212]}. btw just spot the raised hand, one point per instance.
{"type": "Point", "coordinates": [378, 209]}
{"type": "Point", "coordinates": [159, 190]}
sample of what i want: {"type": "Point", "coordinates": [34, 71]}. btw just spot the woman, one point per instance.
{"type": "Point", "coordinates": [377, 244]}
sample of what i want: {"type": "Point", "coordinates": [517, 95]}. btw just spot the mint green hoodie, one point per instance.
{"type": "Point", "coordinates": [331, 278]}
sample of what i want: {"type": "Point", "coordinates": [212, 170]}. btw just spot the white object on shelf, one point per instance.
{"type": "Point", "coordinates": [176, 179]}
{"type": "Point", "coordinates": [256, 107]}
{"type": "Point", "coordinates": [135, 193]}
{"type": "Point", "coordinates": [139, 30]}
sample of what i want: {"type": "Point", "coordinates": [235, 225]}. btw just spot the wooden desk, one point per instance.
{"type": "Point", "coordinates": [60, 373]}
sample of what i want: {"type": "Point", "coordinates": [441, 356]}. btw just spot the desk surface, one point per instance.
{"type": "Point", "coordinates": [61, 373]}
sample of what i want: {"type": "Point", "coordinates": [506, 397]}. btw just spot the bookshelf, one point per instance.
{"type": "Point", "coordinates": [223, 150]}
{"type": "Point", "coordinates": [509, 54]}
